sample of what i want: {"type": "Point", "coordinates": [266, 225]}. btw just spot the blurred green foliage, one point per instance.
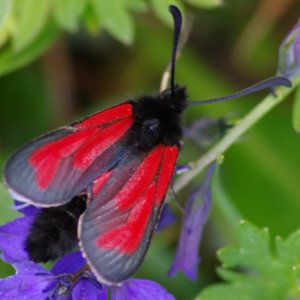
{"type": "Point", "coordinates": [87, 68]}
{"type": "Point", "coordinates": [27, 27]}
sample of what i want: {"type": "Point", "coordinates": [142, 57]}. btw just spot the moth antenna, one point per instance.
{"type": "Point", "coordinates": [271, 82]}
{"type": "Point", "coordinates": [177, 18]}
{"type": "Point", "coordinates": [184, 36]}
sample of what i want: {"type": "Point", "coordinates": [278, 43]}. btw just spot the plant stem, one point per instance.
{"type": "Point", "coordinates": [235, 133]}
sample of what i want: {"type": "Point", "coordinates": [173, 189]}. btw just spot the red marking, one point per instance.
{"type": "Point", "coordinates": [140, 180]}
{"type": "Point", "coordinates": [146, 188]}
{"type": "Point", "coordinates": [107, 116]}
{"type": "Point", "coordinates": [46, 170]}
{"type": "Point", "coordinates": [85, 145]}
{"type": "Point", "coordinates": [45, 159]}
{"type": "Point", "coordinates": [99, 182]}
{"type": "Point", "coordinates": [166, 172]}
{"type": "Point", "coordinates": [100, 142]}
{"type": "Point", "coordinates": [126, 238]}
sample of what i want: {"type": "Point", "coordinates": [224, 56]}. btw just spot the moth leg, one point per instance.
{"type": "Point", "coordinates": [176, 200]}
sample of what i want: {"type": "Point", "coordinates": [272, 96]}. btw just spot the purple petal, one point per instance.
{"type": "Point", "coordinates": [26, 284]}
{"type": "Point", "coordinates": [30, 268]}
{"type": "Point", "coordinates": [26, 209]}
{"type": "Point", "coordinates": [69, 263]}
{"type": "Point", "coordinates": [196, 213]}
{"type": "Point", "coordinates": [289, 53]}
{"type": "Point", "coordinates": [23, 287]}
{"type": "Point", "coordinates": [167, 218]}
{"type": "Point", "coordinates": [33, 281]}
{"type": "Point", "coordinates": [12, 238]}
{"type": "Point", "coordinates": [140, 289]}
{"type": "Point", "coordinates": [86, 289]}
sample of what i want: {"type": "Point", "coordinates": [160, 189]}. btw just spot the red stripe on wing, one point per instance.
{"type": "Point", "coordinates": [46, 158]}
{"type": "Point", "coordinates": [145, 190]}
{"type": "Point", "coordinates": [100, 142]}
{"type": "Point", "coordinates": [100, 181]}
{"type": "Point", "coordinates": [115, 234]}
{"type": "Point", "coordinates": [166, 172]}
{"type": "Point", "coordinates": [107, 116]}
{"type": "Point", "coordinates": [126, 238]}
{"type": "Point", "coordinates": [142, 177]}
{"type": "Point", "coordinates": [83, 146]}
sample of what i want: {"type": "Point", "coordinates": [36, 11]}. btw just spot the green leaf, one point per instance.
{"type": "Point", "coordinates": [136, 5]}
{"type": "Point", "coordinates": [205, 3]}
{"type": "Point", "coordinates": [6, 27]}
{"type": "Point", "coordinates": [161, 9]}
{"type": "Point", "coordinates": [91, 20]}
{"type": "Point", "coordinates": [30, 18]}
{"type": "Point", "coordinates": [254, 243]}
{"type": "Point", "coordinates": [68, 12]}
{"type": "Point", "coordinates": [296, 111]}
{"type": "Point", "coordinates": [11, 60]}
{"type": "Point", "coordinates": [5, 6]}
{"type": "Point", "coordinates": [115, 19]}
{"type": "Point", "coordinates": [7, 214]}
{"type": "Point", "coordinates": [257, 269]}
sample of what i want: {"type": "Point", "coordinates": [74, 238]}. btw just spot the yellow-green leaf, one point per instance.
{"type": "Point", "coordinates": [30, 18]}
{"type": "Point", "coordinates": [5, 6]}
{"type": "Point", "coordinates": [205, 3]}
{"type": "Point", "coordinates": [11, 60]}
{"type": "Point", "coordinates": [68, 12]}
{"type": "Point", "coordinates": [91, 20]}
{"type": "Point", "coordinates": [6, 202]}
{"type": "Point", "coordinates": [6, 28]}
{"type": "Point", "coordinates": [136, 5]}
{"type": "Point", "coordinates": [161, 9]}
{"type": "Point", "coordinates": [115, 19]}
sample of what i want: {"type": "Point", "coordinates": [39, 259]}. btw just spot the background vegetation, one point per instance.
{"type": "Point", "coordinates": [61, 60]}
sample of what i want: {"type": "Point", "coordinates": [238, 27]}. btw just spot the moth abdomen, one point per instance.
{"type": "Point", "coordinates": [54, 230]}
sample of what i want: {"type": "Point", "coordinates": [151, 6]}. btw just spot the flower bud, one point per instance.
{"type": "Point", "coordinates": [289, 54]}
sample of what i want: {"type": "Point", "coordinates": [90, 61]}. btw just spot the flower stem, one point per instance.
{"type": "Point", "coordinates": [235, 133]}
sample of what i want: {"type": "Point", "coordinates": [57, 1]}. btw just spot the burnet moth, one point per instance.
{"type": "Point", "coordinates": [106, 175]}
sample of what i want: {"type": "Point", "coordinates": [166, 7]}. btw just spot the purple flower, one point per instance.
{"type": "Point", "coordinates": [196, 213]}
{"type": "Point", "coordinates": [34, 282]}
{"type": "Point", "coordinates": [26, 284]}
{"type": "Point", "coordinates": [26, 209]}
{"type": "Point", "coordinates": [289, 53]}
{"type": "Point", "coordinates": [12, 236]}
{"type": "Point", "coordinates": [31, 280]}
{"type": "Point", "coordinates": [140, 289]}
{"type": "Point", "coordinates": [167, 218]}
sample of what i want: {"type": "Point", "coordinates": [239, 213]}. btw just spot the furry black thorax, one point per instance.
{"type": "Point", "coordinates": [54, 230]}
{"type": "Point", "coordinates": [157, 119]}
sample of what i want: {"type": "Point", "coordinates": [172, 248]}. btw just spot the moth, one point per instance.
{"type": "Point", "coordinates": [105, 178]}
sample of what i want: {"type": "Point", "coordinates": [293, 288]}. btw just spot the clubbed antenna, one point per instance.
{"type": "Point", "coordinates": [177, 17]}
{"type": "Point", "coordinates": [267, 83]}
